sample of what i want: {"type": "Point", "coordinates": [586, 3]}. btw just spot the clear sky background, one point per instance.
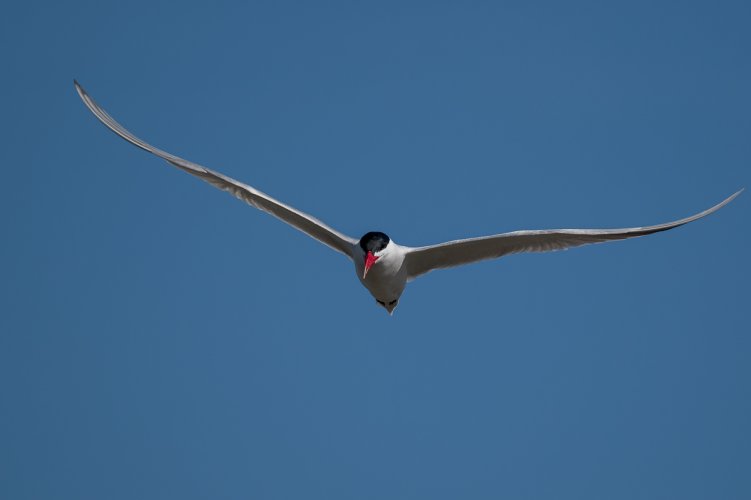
{"type": "Point", "coordinates": [161, 339]}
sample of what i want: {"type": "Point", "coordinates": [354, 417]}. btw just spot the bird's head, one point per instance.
{"type": "Point", "coordinates": [373, 245]}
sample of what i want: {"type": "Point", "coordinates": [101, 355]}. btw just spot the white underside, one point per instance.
{"type": "Point", "coordinates": [387, 278]}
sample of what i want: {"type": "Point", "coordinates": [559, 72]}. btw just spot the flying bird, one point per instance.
{"type": "Point", "coordinates": [383, 266]}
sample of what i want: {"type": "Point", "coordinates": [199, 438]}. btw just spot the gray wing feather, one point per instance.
{"type": "Point", "coordinates": [455, 253]}
{"type": "Point", "coordinates": [295, 218]}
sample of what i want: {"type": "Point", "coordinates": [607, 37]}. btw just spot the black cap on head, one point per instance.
{"type": "Point", "coordinates": [374, 242]}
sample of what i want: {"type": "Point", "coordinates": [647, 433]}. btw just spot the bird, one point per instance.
{"type": "Point", "coordinates": [384, 267]}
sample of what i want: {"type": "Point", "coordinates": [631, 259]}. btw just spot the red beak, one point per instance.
{"type": "Point", "coordinates": [370, 259]}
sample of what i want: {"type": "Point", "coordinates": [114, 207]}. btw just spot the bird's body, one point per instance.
{"type": "Point", "coordinates": [386, 280]}
{"type": "Point", "coordinates": [383, 266]}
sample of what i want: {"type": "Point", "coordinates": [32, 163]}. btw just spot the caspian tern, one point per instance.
{"type": "Point", "coordinates": [382, 266]}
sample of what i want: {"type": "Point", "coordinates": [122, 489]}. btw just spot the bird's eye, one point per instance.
{"type": "Point", "coordinates": [393, 302]}
{"type": "Point", "coordinates": [381, 302]}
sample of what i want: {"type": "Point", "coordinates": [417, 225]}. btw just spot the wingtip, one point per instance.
{"type": "Point", "coordinates": [727, 200]}
{"type": "Point", "coordinates": [735, 195]}
{"type": "Point", "coordinates": [722, 203]}
{"type": "Point", "coordinates": [79, 89]}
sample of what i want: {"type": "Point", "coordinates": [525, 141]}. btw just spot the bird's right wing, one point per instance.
{"type": "Point", "coordinates": [456, 253]}
{"type": "Point", "coordinates": [295, 218]}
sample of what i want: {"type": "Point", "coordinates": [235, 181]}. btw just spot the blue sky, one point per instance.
{"type": "Point", "coordinates": [163, 340]}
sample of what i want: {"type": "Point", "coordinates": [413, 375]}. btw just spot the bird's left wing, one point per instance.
{"type": "Point", "coordinates": [295, 218]}
{"type": "Point", "coordinates": [455, 253]}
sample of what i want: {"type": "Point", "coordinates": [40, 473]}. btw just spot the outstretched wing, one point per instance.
{"type": "Point", "coordinates": [295, 218]}
{"type": "Point", "coordinates": [456, 253]}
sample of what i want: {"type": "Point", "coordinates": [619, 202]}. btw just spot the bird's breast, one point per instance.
{"type": "Point", "coordinates": [386, 279]}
